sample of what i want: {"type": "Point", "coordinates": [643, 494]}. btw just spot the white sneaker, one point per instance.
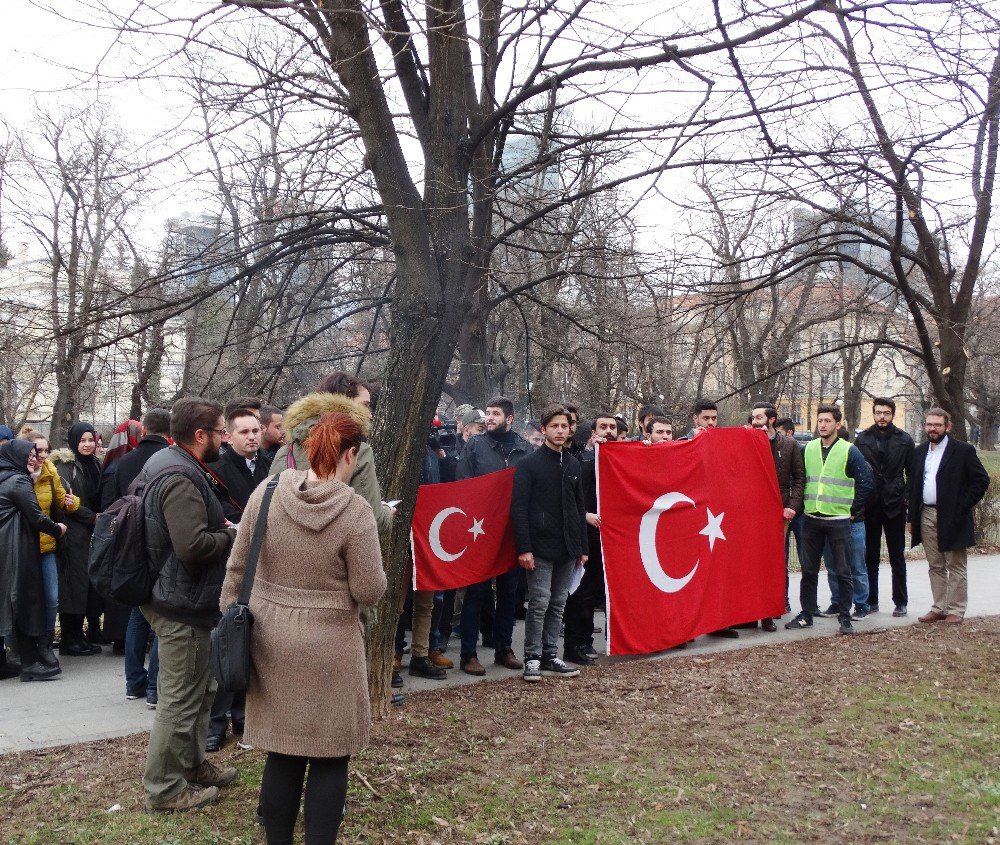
{"type": "Point", "coordinates": [532, 670]}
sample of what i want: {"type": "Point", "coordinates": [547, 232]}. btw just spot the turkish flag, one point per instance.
{"type": "Point", "coordinates": [693, 537]}
{"type": "Point", "coordinates": [462, 533]}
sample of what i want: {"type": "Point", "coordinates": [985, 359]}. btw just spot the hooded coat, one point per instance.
{"type": "Point", "coordinates": [299, 419]}
{"type": "Point", "coordinates": [22, 597]}
{"type": "Point", "coordinates": [74, 550]}
{"type": "Point", "coordinates": [319, 562]}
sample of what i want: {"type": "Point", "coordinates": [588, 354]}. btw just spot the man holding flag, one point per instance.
{"type": "Point", "coordinates": [497, 449]}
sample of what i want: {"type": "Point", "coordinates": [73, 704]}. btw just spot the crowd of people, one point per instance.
{"type": "Point", "coordinates": [201, 469]}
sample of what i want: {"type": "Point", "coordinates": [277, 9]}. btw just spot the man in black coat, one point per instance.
{"type": "Point", "coordinates": [241, 470]}
{"type": "Point", "coordinates": [580, 606]}
{"type": "Point", "coordinates": [548, 514]}
{"type": "Point", "coordinates": [947, 480]}
{"type": "Point", "coordinates": [140, 682]}
{"type": "Point", "coordinates": [155, 436]}
{"type": "Point", "coordinates": [889, 451]}
{"type": "Point", "coordinates": [497, 449]}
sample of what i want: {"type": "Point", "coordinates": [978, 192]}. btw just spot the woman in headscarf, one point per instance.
{"type": "Point", "coordinates": [22, 592]}
{"type": "Point", "coordinates": [80, 472]}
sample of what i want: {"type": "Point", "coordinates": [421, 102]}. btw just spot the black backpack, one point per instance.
{"type": "Point", "coordinates": [118, 563]}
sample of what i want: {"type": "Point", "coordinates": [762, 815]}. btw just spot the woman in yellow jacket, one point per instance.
{"type": "Point", "coordinates": [51, 494]}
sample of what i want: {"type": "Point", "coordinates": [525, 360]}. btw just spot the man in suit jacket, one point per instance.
{"type": "Point", "coordinates": [241, 469]}
{"type": "Point", "coordinates": [947, 480]}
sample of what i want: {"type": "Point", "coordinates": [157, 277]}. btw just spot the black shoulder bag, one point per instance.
{"type": "Point", "coordinates": [230, 655]}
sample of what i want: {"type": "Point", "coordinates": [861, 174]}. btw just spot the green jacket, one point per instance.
{"type": "Point", "coordinates": [299, 419]}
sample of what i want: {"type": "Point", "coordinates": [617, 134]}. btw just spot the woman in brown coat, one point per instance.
{"type": "Point", "coordinates": [307, 702]}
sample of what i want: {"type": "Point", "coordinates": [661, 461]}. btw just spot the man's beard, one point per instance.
{"type": "Point", "coordinates": [211, 454]}
{"type": "Point", "coordinates": [936, 436]}
{"type": "Point", "coordinates": [499, 430]}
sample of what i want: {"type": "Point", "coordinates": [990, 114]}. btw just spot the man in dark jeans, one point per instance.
{"type": "Point", "coordinates": [580, 606]}
{"type": "Point", "coordinates": [495, 450]}
{"type": "Point", "coordinates": [139, 682]}
{"type": "Point", "coordinates": [838, 483]}
{"type": "Point", "coordinates": [889, 451]}
{"type": "Point", "coordinates": [550, 532]}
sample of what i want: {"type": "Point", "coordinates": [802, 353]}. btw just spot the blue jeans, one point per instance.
{"type": "Point", "coordinates": [859, 569]}
{"type": "Point", "coordinates": [503, 622]}
{"type": "Point", "coordinates": [548, 589]}
{"type": "Point", "coordinates": [137, 678]}
{"type": "Point", "coordinates": [50, 583]}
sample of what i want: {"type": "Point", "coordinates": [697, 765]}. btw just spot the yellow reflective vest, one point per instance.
{"type": "Point", "coordinates": [829, 489]}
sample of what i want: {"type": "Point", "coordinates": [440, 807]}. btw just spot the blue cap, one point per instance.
{"type": "Point", "coordinates": [6, 433]}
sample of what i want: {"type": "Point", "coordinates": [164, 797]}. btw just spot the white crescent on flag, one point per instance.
{"type": "Point", "coordinates": [434, 535]}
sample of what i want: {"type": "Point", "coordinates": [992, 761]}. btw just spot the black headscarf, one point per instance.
{"type": "Point", "coordinates": [91, 466]}
{"type": "Point", "coordinates": [14, 456]}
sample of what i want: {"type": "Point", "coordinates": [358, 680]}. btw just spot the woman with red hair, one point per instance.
{"type": "Point", "coordinates": [307, 702]}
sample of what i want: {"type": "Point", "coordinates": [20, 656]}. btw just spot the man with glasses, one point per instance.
{"type": "Point", "coordinates": [187, 539]}
{"type": "Point", "coordinates": [947, 481]}
{"type": "Point", "coordinates": [889, 451]}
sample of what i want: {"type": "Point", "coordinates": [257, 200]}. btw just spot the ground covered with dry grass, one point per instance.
{"type": "Point", "coordinates": [891, 736]}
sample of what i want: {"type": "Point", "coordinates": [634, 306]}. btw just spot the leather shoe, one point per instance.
{"type": "Point", "coordinates": [575, 655]}
{"type": "Point", "coordinates": [472, 666]}
{"type": "Point", "coordinates": [508, 660]}
{"type": "Point", "coordinates": [421, 667]}
{"type": "Point", "coordinates": [77, 649]}
{"type": "Point", "coordinates": [725, 633]}
{"type": "Point", "coordinates": [768, 625]}
{"type": "Point", "coordinates": [436, 656]}
{"type": "Point", "coordinates": [953, 619]}
{"type": "Point", "coordinates": [932, 616]}
{"type": "Point", "coordinates": [213, 743]}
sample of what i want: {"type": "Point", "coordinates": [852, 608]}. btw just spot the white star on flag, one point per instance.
{"type": "Point", "coordinates": [714, 529]}
{"type": "Point", "coordinates": [477, 529]}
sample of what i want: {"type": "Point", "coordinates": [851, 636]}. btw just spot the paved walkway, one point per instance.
{"type": "Point", "coordinates": [88, 701]}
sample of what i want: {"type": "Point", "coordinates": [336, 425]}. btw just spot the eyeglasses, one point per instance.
{"type": "Point", "coordinates": [219, 431]}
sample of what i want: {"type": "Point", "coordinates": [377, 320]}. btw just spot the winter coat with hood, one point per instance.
{"type": "Point", "coordinates": [51, 496]}
{"type": "Point", "coordinates": [299, 419]}
{"type": "Point", "coordinates": [22, 597]}
{"type": "Point", "coordinates": [74, 581]}
{"type": "Point", "coordinates": [319, 562]}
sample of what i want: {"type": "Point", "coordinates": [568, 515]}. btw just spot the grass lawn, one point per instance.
{"type": "Point", "coordinates": [991, 460]}
{"type": "Point", "coordinates": [889, 736]}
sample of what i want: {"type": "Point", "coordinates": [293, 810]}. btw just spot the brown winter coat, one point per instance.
{"type": "Point", "coordinates": [320, 560]}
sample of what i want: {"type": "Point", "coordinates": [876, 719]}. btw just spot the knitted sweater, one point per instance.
{"type": "Point", "coordinates": [320, 560]}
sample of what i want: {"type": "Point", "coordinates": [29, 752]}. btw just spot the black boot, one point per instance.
{"type": "Point", "coordinates": [46, 655]}
{"type": "Point", "coordinates": [9, 668]}
{"type": "Point", "coordinates": [39, 672]}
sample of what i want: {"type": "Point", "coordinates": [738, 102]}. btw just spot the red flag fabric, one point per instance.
{"type": "Point", "coordinates": [462, 533]}
{"type": "Point", "coordinates": [692, 535]}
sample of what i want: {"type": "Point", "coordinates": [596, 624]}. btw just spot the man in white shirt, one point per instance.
{"type": "Point", "coordinates": [947, 480]}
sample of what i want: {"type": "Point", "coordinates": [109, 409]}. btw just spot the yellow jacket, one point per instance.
{"type": "Point", "coordinates": [47, 482]}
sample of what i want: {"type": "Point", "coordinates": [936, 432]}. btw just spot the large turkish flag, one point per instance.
{"type": "Point", "coordinates": [693, 537]}
{"type": "Point", "coordinates": [462, 533]}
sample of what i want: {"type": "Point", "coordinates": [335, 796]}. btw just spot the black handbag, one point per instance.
{"type": "Point", "coordinates": [230, 654]}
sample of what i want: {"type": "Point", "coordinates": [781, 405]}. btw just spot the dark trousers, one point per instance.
{"type": "Point", "coordinates": [281, 792]}
{"type": "Point", "coordinates": [227, 704]}
{"type": "Point", "coordinates": [816, 533]}
{"type": "Point", "coordinates": [894, 528]}
{"type": "Point", "coordinates": [503, 620]}
{"type": "Point", "coordinates": [578, 617]}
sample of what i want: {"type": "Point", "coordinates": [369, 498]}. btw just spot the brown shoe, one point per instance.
{"type": "Point", "coordinates": [208, 774]}
{"type": "Point", "coordinates": [397, 661]}
{"type": "Point", "coordinates": [768, 625]}
{"type": "Point", "coordinates": [508, 660]}
{"type": "Point", "coordinates": [189, 798]}
{"type": "Point", "coordinates": [932, 616]}
{"type": "Point", "coordinates": [953, 619]}
{"type": "Point", "coordinates": [472, 666]}
{"type": "Point", "coordinates": [436, 656]}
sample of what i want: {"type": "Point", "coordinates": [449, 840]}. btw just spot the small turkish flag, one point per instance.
{"type": "Point", "coordinates": [693, 537]}
{"type": "Point", "coordinates": [461, 532]}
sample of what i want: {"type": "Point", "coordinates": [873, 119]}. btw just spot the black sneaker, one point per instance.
{"type": "Point", "coordinates": [577, 655]}
{"type": "Point", "coordinates": [899, 611]}
{"type": "Point", "coordinates": [555, 666]}
{"type": "Point", "coordinates": [859, 614]}
{"type": "Point", "coordinates": [590, 651]}
{"type": "Point", "coordinates": [800, 621]}
{"type": "Point", "coordinates": [832, 610]}
{"type": "Point", "coordinates": [846, 627]}
{"type": "Point", "coordinates": [421, 667]}
{"type": "Point", "coordinates": [873, 608]}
